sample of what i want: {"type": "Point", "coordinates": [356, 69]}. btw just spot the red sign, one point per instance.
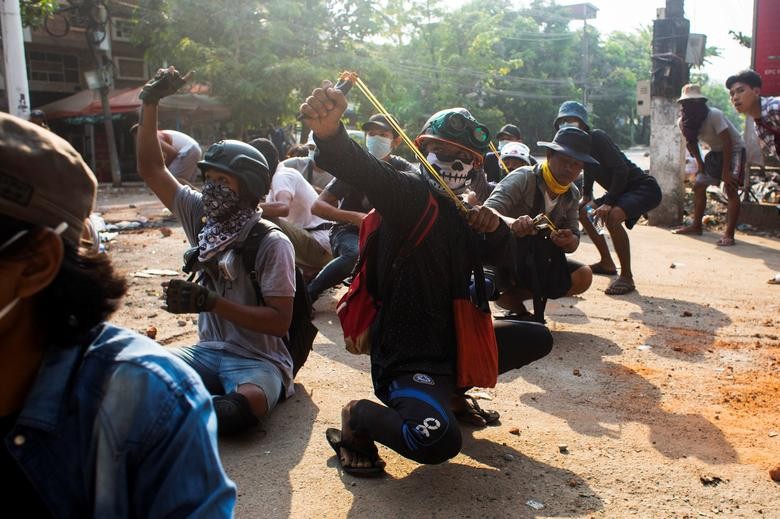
{"type": "Point", "coordinates": [766, 45]}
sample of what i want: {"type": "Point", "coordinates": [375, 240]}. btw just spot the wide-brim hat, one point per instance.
{"type": "Point", "coordinates": [510, 130]}
{"type": "Point", "coordinates": [572, 142]}
{"type": "Point", "coordinates": [691, 91]}
{"type": "Point", "coordinates": [378, 121]}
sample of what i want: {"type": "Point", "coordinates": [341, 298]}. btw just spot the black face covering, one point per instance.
{"type": "Point", "coordinates": [694, 112]}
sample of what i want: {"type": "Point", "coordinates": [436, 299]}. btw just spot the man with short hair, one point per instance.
{"type": "Point", "coordinates": [745, 92]}
{"type": "Point", "coordinates": [725, 162]}
{"type": "Point", "coordinates": [339, 202]}
{"type": "Point", "coordinates": [241, 354]}
{"type": "Point", "coordinates": [546, 188]}
{"type": "Point", "coordinates": [180, 151]}
{"type": "Point", "coordinates": [289, 205]}
{"type": "Point", "coordinates": [306, 166]}
{"type": "Point", "coordinates": [492, 165]}
{"type": "Point", "coordinates": [95, 420]}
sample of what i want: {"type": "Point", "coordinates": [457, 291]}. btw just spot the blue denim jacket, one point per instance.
{"type": "Point", "coordinates": [121, 428]}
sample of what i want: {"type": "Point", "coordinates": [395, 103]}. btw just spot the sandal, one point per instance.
{"type": "Point", "coordinates": [512, 315]}
{"type": "Point", "coordinates": [725, 242]}
{"type": "Point", "coordinates": [473, 414]}
{"type": "Point", "coordinates": [619, 287]}
{"type": "Point", "coordinates": [599, 270]}
{"type": "Point", "coordinates": [371, 453]}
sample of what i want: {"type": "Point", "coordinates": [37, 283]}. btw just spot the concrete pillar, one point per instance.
{"type": "Point", "coordinates": [667, 160]}
{"type": "Point", "coordinates": [16, 86]}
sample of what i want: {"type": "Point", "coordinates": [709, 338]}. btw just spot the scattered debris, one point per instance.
{"type": "Point", "coordinates": [772, 434]}
{"type": "Point", "coordinates": [165, 231]}
{"type": "Point", "coordinates": [509, 457]}
{"type": "Point", "coordinates": [515, 431]}
{"type": "Point", "coordinates": [481, 395]}
{"type": "Point", "coordinates": [181, 323]}
{"type": "Point", "coordinates": [536, 505]}
{"type": "Point", "coordinates": [563, 448]}
{"type": "Point", "coordinates": [151, 332]}
{"type": "Point", "coordinates": [150, 273]}
{"type": "Point", "coordinates": [709, 480]}
{"type": "Point", "coordinates": [124, 225]}
{"type": "Point", "coordinates": [686, 313]}
{"type": "Point", "coordinates": [576, 372]}
{"type": "Point", "coordinates": [644, 347]}
{"type": "Point", "coordinates": [573, 483]}
{"type": "Point", "coordinates": [775, 474]}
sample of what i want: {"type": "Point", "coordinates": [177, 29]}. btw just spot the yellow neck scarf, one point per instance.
{"type": "Point", "coordinates": [553, 184]}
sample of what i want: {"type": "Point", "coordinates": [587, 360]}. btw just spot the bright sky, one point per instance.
{"type": "Point", "coordinates": [715, 18]}
{"type": "Point", "coordinates": [711, 17]}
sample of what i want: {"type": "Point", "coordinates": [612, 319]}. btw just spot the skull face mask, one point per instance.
{"type": "Point", "coordinates": [455, 172]}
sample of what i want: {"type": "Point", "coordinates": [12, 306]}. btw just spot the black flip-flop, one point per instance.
{"type": "Point", "coordinates": [334, 440]}
{"type": "Point", "coordinates": [473, 414]}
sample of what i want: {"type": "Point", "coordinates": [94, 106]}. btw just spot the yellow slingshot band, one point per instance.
{"type": "Point", "coordinates": [397, 127]}
{"type": "Point", "coordinates": [498, 156]}
{"type": "Point", "coordinates": [553, 184]}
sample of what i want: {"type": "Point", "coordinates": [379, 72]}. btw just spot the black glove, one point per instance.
{"type": "Point", "coordinates": [184, 297]}
{"type": "Point", "coordinates": [166, 82]}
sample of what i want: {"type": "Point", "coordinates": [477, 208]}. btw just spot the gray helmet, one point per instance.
{"type": "Point", "coordinates": [242, 161]}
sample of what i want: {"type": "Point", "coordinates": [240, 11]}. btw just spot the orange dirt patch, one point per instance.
{"type": "Point", "coordinates": [687, 340]}
{"type": "Point", "coordinates": [752, 392]}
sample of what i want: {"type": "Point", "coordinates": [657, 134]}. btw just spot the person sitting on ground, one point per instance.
{"type": "Point", "coordinates": [414, 346]}
{"type": "Point", "coordinates": [492, 165]}
{"type": "Point", "coordinates": [96, 420]}
{"type": "Point", "coordinates": [241, 354]}
{"type": "Point", "coordinates": [306, 166]}
{"type": "Point", "coordinates": [725, 161]}
{"type": "Point", "coordinates": [180, 151]}
{"type": "Point", "coordinates": [630, 194]}
{"type": "Point", "coordinates": [745, 93]}
{"type": "Point", "coordinates": [289, 205]}
{"type": "Point", "coordinates": [341, 203]}
{"type": "Point", "coordinates": [544, 188]}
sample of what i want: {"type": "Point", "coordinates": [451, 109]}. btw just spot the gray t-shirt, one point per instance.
{"type": "Point", "coordinates": [516, 195]}
{"type": "Point", "coordinates": [275, 266]}
{"type": "Point", "coordinates": [307, 167]}
{"type": "Point", "coordinates": [710, 130]}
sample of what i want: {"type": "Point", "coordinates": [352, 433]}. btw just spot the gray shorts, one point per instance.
{"type": "Point", "coordinates": [713, 168]}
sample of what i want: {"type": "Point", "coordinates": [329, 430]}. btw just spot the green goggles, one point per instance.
{"type": "Point", "coordinates": [455, 125]}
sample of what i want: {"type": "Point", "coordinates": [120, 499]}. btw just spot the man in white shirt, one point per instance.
{"type": "Point", "coordinates": [288, 204]}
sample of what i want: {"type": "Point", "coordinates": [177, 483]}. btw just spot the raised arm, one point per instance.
{"type": "Point", "coordinates": [151, 162]}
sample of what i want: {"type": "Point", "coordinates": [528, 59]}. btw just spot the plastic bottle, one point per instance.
{"type": "Point", "coordinates": [595, 220]}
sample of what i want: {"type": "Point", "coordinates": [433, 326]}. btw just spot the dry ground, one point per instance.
{"type": "Point", "coordinates": [667, 399]}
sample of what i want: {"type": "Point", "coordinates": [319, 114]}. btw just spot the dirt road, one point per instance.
{"type": "Point", "coordinates": [666, 399]}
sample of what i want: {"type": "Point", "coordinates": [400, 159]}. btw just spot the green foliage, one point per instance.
{"type": "Point", "coordinates": [502, 63]}
{"type": "Point", "coordinates": [743, 39]}
{"type": "Point", "coordinates": [34, 12]}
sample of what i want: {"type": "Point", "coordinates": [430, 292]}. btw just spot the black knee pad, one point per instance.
{"type": "Point", "coordinates": [431, 441]}
{"type": "Point", "coordinates": [233, 413]}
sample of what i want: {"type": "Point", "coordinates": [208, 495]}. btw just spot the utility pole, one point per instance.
{"type": "Point", "coordinates": [16, 86]}
{"type": "Point", "coordinates": [670, 73]}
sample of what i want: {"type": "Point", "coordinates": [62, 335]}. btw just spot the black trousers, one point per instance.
{"type": "Point", "coordinates": [416, 420]}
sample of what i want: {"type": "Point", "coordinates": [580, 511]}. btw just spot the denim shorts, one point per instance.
{"type": "Point", "coordinates": [232, 370]}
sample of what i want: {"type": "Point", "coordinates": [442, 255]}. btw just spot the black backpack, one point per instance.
{"type": "Point", "coordinates": [301, 334]}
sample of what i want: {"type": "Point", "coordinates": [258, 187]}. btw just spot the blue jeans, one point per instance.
{"type": "Point", "coordinates": [344, 243]}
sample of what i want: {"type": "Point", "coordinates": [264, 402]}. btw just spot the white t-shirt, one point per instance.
{"type": "Point", "coordinates": [303, 197]}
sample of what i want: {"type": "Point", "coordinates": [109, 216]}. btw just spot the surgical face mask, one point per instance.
{"type": "Point", "coordinates": [10, 306]}
{"type": "Point", "coordinates": [501, 144]}
{"type": "Point", "coordinates": [455, 173]}
{"type": "Point", "coordinates": [219, 201]}
{"type": "Point", "coordinates": [568, 125]}
{"type": "Point", "coordinates": [378, 146]}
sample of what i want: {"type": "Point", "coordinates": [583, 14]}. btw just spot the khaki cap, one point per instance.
{"type": "Point", "coordinates": [43, 180]}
